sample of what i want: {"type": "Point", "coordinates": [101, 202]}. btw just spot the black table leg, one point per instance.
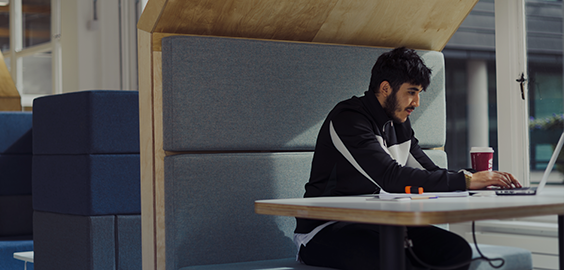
{"type": "Point", "coordinates": [392, 251]}
{"type": "Point", "coordinates": [561, 240]}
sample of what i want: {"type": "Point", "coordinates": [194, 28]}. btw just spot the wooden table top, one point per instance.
{"type": "Point", "coordinates": [416, 212]}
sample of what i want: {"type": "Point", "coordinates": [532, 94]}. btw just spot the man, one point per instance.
{"type": "Point", "coordinates": [367, 143]}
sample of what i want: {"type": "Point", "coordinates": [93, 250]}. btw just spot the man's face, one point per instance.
{"type": "Point", "coordinates": [400, 104]}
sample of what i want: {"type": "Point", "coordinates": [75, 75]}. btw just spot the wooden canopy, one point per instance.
{"type": "Point", "coordinates": [416, 24]}
{"type": "Point", "coordinates": [425, 25]}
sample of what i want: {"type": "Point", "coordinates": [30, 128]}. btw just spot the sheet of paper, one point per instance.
{"type": "Point", "coordinates": [394, 196]}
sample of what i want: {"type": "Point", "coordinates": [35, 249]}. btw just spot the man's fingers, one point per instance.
{"type": "Point", "coordinates": [509, 180]}
{"type": "Point", "coordinates": [512, 180]}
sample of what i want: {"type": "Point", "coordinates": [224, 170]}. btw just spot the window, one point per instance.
{"type": "Point", "coordinates": [475, 42]}
{"type": "Point", "coordinates": [25, 39]}
{"type": "Point", "coordinates": [544, 40]}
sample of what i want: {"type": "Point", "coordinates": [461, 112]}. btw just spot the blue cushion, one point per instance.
{"type": "Point", "coordinates": [7, 249]}
{"type": "Point", "coordinates": [515, 258]}
{"type": "Point", "coordinates": [87, 122]}
{"type": "Point", "coordinates": [16, 174]}
{"type": "Point", "coordinates": [73, 242]}
{"type": "Point", "coordinates": [15, 216]}
{"type": "Point", "coordinates": [128, 242]}
{"type": "Point", "coordinates": [237, 94]}
{"type": "Point", "coordinates": [15, 132]}
{"type": "Point", "coordinates": [87, 184]}
{"type": "Point", "coordinates": [280, 264]}
{"type": "Point", "coordinates": [209, 206]}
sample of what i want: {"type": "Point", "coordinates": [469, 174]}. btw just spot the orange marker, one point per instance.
{"type": "Point", "coordinates": [408, 190]}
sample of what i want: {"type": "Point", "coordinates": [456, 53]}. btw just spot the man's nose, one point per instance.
{"type": "Point", "coordinates": [415, 102]}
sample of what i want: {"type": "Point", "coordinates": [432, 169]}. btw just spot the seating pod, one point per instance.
{"type": "Point", "coordinates": [240, 121]}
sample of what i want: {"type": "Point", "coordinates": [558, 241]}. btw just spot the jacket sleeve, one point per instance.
{"type": "Point", "coordinates": [369, 159]}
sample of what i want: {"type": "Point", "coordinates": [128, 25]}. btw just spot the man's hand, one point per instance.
{"type": "Point", "coordinates": [483, 179]}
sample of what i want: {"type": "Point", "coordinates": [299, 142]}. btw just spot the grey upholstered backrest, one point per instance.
{"type": "Point", "coordinates": [245, 116]}
{"type": "Point", "coordinates": [210, 215]}
{"type": "Point", "coordinates": [236, 94]}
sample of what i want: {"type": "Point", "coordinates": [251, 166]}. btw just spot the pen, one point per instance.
{"type": "Point", "coordinates": [424, 197]}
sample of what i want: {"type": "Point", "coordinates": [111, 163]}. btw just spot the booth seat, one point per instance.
{"type": "Point", "coordinates": [514, 258]}
{"type": "Point", "coordinates": [240, 121]}
{"type": "Point", "coordinates": [86, 175]}
{"type": "Point", "coordinates": [15, 187]}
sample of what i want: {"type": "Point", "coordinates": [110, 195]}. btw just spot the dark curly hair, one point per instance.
{"type": "Point", "coordinates": [399, 66]}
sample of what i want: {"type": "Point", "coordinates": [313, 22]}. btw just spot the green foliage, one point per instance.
{"type": "Point", "coordinates": [555, 122]}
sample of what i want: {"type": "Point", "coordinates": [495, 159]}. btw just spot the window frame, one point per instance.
{"type": "Point", "coordinates": [512, 99]}
{"type": "Point", "coordinates": [17, 52]}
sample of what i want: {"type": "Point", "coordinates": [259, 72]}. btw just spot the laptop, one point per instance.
{"type": "Point", "coordinates": [534, 190]}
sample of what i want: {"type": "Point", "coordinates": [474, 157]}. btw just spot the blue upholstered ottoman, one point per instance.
{"type": "Point", "coordinates": [86, 181]}
{"type": "Point", "coordinates": [15, 216]}
{"type": "Point", "coordinates": [7, 249]}
{"type": "Point", "coordinates": [15, 153]}
{"type": "Point", "coordinates": [128, 242]}
{"type": "Point", "coordinates": [87, 242]}
{"type": "Point", "coordinates": [86, 153]}
{"type": "Point", "coordinates": [87, 122]}
{"type": "Point", "coordinates": [15, 174]}
{"type": "Point", "coordinates": [73, 242]}
{"type": "Point", "coordinates": [87, 184]}
{"type": "Point", "coordinates": [15, 132]}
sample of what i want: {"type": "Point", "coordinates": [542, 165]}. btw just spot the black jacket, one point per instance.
{"type": "Point", "coordinates": [358, 144]}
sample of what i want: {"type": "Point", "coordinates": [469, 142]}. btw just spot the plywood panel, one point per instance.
{"type": "Point", "coordinates": [159, 190]}
{"type": "Point", "coordinates": [9, 95]}
{"type": "Point", "coordinates": [148, 236]}
{"type": "Point", "coordinates": [266, 19]}
{"type": "Point", "coordinates": [416, 24]}
{"type": "Point", "coordinates": [151, 15]}
{"type": "Point", "coordinates": [10, 104]}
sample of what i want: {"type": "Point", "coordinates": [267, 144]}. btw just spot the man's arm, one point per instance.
{"type": "Point", "coordinates": [373, 159]}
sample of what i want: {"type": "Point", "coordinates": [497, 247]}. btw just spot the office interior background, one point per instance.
{"type": "Point", "coordinates": [60, 46]}
{"type": "Point", "coordinates": [64, 46]}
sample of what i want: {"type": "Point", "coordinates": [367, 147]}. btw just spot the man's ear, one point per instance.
{"type": "Point", "coordinates": [385, 89]}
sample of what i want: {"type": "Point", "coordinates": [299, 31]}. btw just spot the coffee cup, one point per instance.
{"type": "Point", "coordinates": [482, 158]}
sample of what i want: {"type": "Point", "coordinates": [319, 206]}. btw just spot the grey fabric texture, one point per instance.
{"type": "Point", "coordinates": [238, 94]}
{"type": "Point", "coordinates": [210, 216]}
{"type": "Point", "coordinates": [73, 242]}
{"type": "Point", "coordinates": [16, 215]}
{"type": "Point", "coordinates": [280, 264]}
{"type": "Point", "coordinates": [128, 242]}
{"type": "Point", "coordinates": [515, 258]}
{"type": "Point", "coordinates": [439, 157]}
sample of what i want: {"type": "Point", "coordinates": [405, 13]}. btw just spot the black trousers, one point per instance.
{"type": "Point", "coordinates": [356, 246]}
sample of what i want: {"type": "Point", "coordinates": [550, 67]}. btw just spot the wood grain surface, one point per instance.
{"type": "Point", "coordinates": [426, 25]}
{"type": "Point", "coordinates": [9, 96]}
{"type": "Point", "coordinates": [424, 212]}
